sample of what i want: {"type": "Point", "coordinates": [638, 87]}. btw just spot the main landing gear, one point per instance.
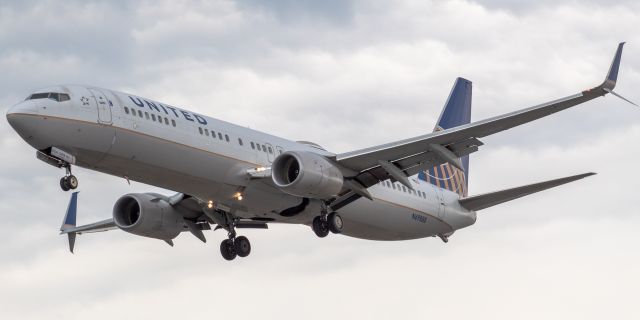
{"type": "Point", "coordinates": [235, 246]}
{"type": "Point", "coordinates": [69, 181]}
{"type": "Point", "coordinates": [325, 223]}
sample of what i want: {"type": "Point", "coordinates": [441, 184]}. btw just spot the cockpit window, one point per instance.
{"type": "Point", "coordinates": [38, 96]}
{"type": "Point", "coordinates": [50, 95]}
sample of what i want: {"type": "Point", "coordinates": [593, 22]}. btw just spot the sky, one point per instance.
{"type": "Point", "coordinates": [346, 75]}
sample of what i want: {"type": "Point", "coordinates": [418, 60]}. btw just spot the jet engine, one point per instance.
{"type": "Point", "coordinates": [144, 215]}
{"type": "Point", "coordinates": [306, 174]}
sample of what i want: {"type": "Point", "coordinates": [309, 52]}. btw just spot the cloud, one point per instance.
{"type": "Point", "coordinates": [346, 75]}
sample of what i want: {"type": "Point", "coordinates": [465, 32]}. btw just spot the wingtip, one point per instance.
{"type": "Point", "coordinates": [585, 175]}
{"type": "Point", "coordinates": [612, 75]}
{"type": "Point", "coordinates": [463, 79]}
{"type": "Point", "coordinates": [72, 241]}
{"type": "Point", "coordinates": [69, 219]}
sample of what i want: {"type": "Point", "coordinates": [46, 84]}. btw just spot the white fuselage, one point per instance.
{"type": "Point", "coordinates": [161, 145]}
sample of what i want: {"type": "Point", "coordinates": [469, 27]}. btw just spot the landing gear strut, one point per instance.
{"type": "Point", "coordinates": [325, 223]}
{"type": "Point", "coordinates": [69, 181]}
{"type": "Point", "coordinates": [235, 246]}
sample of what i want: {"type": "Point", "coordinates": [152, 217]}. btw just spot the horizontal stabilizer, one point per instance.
{"type": "Point", "coordinates": [491, 199]}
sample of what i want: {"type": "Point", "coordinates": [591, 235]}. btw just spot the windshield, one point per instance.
{"type": "Point", "coordinates": [49, 95]}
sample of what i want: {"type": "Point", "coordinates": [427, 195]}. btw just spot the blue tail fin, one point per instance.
{"type": "Point", "coordinates": [456, 112]}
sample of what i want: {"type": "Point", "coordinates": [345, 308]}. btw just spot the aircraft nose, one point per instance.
{"type": "Point", "coordinates": [18, 117]}
{"type": "Point", "coordinates": [15, 113]}
{"type": "Point", "coordinates": [24, 107]}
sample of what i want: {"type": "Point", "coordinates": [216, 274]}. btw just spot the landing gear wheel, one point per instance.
{"type": "Point", "coordinates": [72, 181]}
{"type": "Point", "coordinates": [64, 184]}
{"type": "Point", "coordinates": [334, 222]}
{"type": "Point", "coordinates": [227, 250]}
{"type": "Point", "coordinates": [242, 246]}
{"type": "Point", "coordinates": [320, 227]}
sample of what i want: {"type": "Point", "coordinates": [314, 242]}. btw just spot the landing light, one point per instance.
{"type": "Point", "coordinates": [238, 195]}
{"type": "Point", "coordinates": [210, 204]}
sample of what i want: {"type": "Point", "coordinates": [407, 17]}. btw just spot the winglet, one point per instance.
{"type": "Point", "coordinates": [612, 76]}
{"type": "Point", "coordinates": [70, 218]}
{"type": "Point", "coordinates": [69, 221]}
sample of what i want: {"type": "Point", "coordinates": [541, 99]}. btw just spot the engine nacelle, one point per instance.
{"type": "Point", "coordinates": [136, 213]}
{"type": "Point", "coordinates": [306, 174]}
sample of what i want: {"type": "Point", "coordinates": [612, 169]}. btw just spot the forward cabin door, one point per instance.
{"type": "Point", "coordinates": [104, 106]}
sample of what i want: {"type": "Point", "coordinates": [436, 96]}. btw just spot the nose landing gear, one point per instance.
{"type": "Point", "coordinates": [69, 181]}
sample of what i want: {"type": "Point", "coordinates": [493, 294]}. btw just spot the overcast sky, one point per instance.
{"type": "Point", "coordinates": [347, 75]}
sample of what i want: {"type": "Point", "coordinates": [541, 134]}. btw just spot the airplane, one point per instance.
{"type": "Point", "coordinates": [231, 177]}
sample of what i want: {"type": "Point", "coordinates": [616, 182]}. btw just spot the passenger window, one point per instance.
{"type": "Point", "coordinates": [206, 132]}
{"type": "Point", "coordinates": [146, 114]}
{"type": "Point", "coordinates": [64, 97]}
{"type": "Point", "coordinates": [200, 129]}
{"type": "Point", "coordinates": [153, 117]}
{"type": "Point", "coordinates": [140, 113]}
{"type": "Point", "coordinates": [173, 122]}
{"type": "Point", "coordinates": [270, 150]}
{"type": "Point", "coordinates": [166, 121]}
{"type": "Point", "coordinates": [226, 137]}
{"type": "Point", "coordinates": [264, 148]}
{"type": "Point", "coordinates": [219, 135]}
{"type": "Point", "coordinates": [239, 141]}
{"type": "Point", "coordinates": [126, 110]}
{"type": "Point", "coordinates": [393, 185]}
{"type": "Point", "coordinates": [404, 189]}
{"type": "Point", "coordinates": [253, 146]}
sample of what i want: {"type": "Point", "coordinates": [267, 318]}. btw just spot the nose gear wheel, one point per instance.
{"type": "Point", "coordinates": [69, 181]}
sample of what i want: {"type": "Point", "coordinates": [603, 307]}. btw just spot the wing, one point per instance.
{"type": "Point", "coordinates": [400, 159]}
{"type": "Point", "coordinates": [104, 225]}
{"type": "Point", "coordinates": [185, 204]}
{"type": "Point", "coordinates": [69, 223]}
{"type": "Point", "coordinates": [195, 220]}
